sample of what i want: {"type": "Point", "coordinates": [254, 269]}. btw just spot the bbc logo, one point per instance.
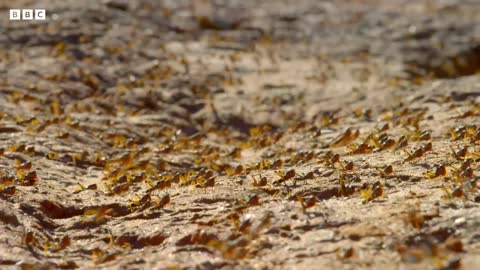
{"type": "Point", "coordinates": [27, 14]}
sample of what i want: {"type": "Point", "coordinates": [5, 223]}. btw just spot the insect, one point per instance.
{"type": "Point", "coordinates": [460, 154]}
{"type": "Point", "coordinates": [231, 172]}
{"type": "Point", "coordinates": [285, 176]}
{"type": "Point", "coordinates": [330, 158]}
{"type": "Point", "coordinates": [259, 131]}
{"type": "Point", "coordinates": [97, 215]}
{"type": "Point", "coordinates": [253, 199]}
{"type": "Point", "coordinates": [348, 136]}
{"type": "Point", "coordinates": [259, 183]}
{"type": "Point", "coordinates": [416, 154]}
{"type": "Point", "coordinates": [7, 189]}
{"type": "Point", "coordinates": [454, 244]}
{"type": "Point", "coordinates": [385, 171]}
{"type": "Point", "coordinates": [26, 165]}
{"type": "Point", "coordinates": [231, 250]}
{"type": "Point", "coordinates": [343, 188]}
{"type": "Point", "coordinates": [307, 203]}
{"type": "Point", "coordinates": [427, 147]}
{"type": "Point", "coordinates": [366, 113]}
{"type": "Point", "coordinates": [383, 143]}
{"type": "Point", "coordinates": [419, 152]}
{"type": "Point", "coordinates": [30, 179]}
{"type": "Point", "coordinates": [370, 192]}
{"type": "Point", "coordinates": [163, 201]}
{"type": "Point", "coordinates": [329, 119]}
{"type": "Point", "coordinates": [277, 164]}
{"type": "Point", "coordinates": [424, 136]}
{"type": "Point", "coordinates": [475, 136]}
{"type": "Point", "coordinates": [119, 188]}
{"type": "Point", "coordinates": [30, 239]}
{"type": "Point", "coordinates": [345, 253]}
{"type": "Point", "coordinates": [464, 132]}
{"type": "Point", "coordinates": [210, 182]}
{"type": "Point", "coordinates": [466, 164]}
{"type": "Point", "coordinates": [20, 148]}
{"type": "Point", "coordinates": [26, 178]}
{"type": "Point", "coordinates": [99, 257]}
{"type": "Point", "coordinates": [119, 241]}
{"type": "Point", "coordinates": [235, 153]}
{"type": "Point", "coordinates": [418, 135]}
{"type": "Point", "coordinates": [55, 247]}
{"type": "Point", "coordinates": [362, 148]}
{"type": "Point", "coordinates": [440, 170]}
{"type": "Point", "coordinates": [472, 112]}
{"type": "Point", "coordinates": [465, 174]}
{"type": "Point", "coordinates": [302, 157]}
{"type": "Point", "coordinates": [140, 204]}
{"type": "Point", "coordinates": [309, 175]}
{"type": "Point", "coordinates": [316, 132]}
{"type": "Point", "coordinates": [162, 184]}
{"type": "Point", "coordinates": [401, 143]}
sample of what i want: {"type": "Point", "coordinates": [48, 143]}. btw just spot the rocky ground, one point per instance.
{"type": "Point", "coordinates": [334, 134]}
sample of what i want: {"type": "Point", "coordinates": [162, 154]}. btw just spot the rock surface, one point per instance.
{"type": "Point", "coordinates": [203, 135]}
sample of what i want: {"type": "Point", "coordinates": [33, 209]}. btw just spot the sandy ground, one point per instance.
{"type": "Point", "coordinates": [240, 135]}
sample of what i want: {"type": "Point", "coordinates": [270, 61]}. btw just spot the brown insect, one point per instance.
{"type": "Point", "coordinates": [401, 143]}
{"type": "Point", "coordinates": [30, 239]}
{"type": "Point", "coordinates": [366, 113]}
{"type": "Point", "coordinates": [416, 154]}
{"type": "Point", "coordinates": [285, 176]}
{"type": "Point", "coordinates": [345, 253]}
{"type": "Point", "coordinates": [362, 148]}
{"type": "Point", "coordinates": [348, 136]}
{"type": "Point", "coordinates": [119, 189]}
{"type": "Point", "coordinates": [277, 164]}
{"type": "Point", "coordinates": [99, 257]}
{"type": "Point", "coordinates": [253, 199]}
{"type": "Point", "coordinates": [140, 204]}
{"type": "Point", "coordinates": [97, 215]}
{"type": "Point", "coordinates": [329, 120]}
{"type": "Point", "coordinates": [160, 185]}
{"type": "Point", "coordinates": [26, 165]}
{"type": "Point", "coordinates": [259, 183]}
{"type": "Point", "coordinates": [163, 201]}
{"type": "Point", "coordinates": [309, 175]}
{"type": "Point", "coordinates": [370, 192]}
{"type": "Point", "coordinates": [210, 182]}
{"type": "Point", "coordinates": [419, 152]}
{"type": "Point", "coordinates": [466, 164]}
{"type": "Point", "coordinates": [30, 179]}
{"type": "Point", "coordinates": [383, 143]}
{"type": "Point", "coordinates": [231, 172]}
{"type": "Point", "coordinates": [7, 189]}
{"type": "Point", "coordinates": [440, 170]}
{"type": "Point", "coordinates": [55, 247]}
{"type": "Point", "coordinates": [307, 203]}
{"type": "Point", "coordinates": [385, 171]}
{"type": "Point", "coordinates": [475, 136]}
{"type": "Point", "coordinates": [343, 188]}
{"type": "Point", "coordinates": [460, 154]}
{"type": "Point", "coordinates": [425, 136]}
{"type": "Point", "coordinates": [330, 158]}
{"type": "Point", "coordinates": [427, 147]}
